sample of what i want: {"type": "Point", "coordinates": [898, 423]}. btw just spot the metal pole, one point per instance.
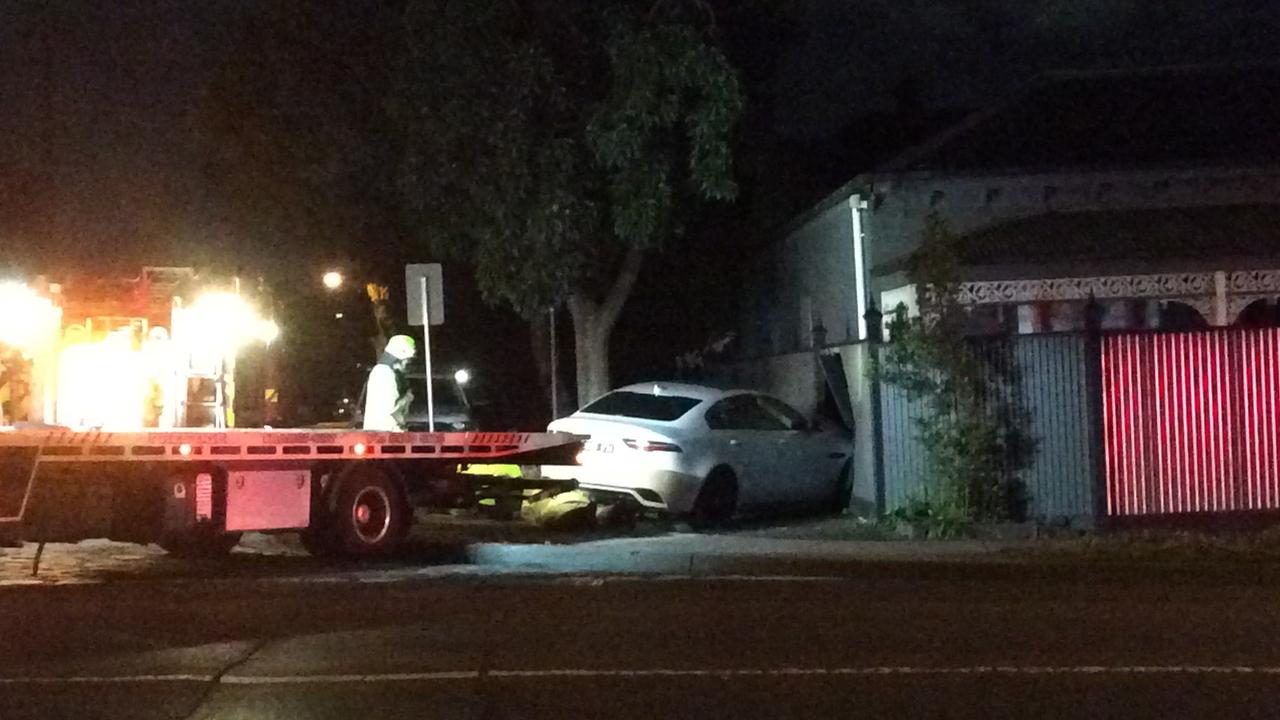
{"type": "Point", "coordinates": [555, 391]}
{"type": "Point", "coordinates": [426, 354]}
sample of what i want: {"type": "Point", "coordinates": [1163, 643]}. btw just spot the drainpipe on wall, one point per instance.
{"type": "Point", "coordinates": [856, 206]}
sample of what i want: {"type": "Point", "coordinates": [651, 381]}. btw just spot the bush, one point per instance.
{"type": "Point", "coordinates": [932, 519]}
{"type": "Point", "coordinates": [970, 428]}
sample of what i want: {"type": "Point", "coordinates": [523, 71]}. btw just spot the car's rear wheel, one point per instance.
{"type": "Point", "coordinates": [717, 501]}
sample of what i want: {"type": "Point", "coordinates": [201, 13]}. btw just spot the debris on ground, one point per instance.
{"type": "Point", "coordinates": [552, 510]}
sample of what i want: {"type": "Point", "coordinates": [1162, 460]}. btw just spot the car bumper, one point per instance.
{"type": "Point", "coordinates": [659, 490]}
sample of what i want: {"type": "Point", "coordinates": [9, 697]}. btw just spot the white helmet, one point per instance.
{"type": "Point", "coordinates": [402, 347]}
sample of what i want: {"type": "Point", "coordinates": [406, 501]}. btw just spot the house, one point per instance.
{"type": "Point", "coordinates": [1155, 192]}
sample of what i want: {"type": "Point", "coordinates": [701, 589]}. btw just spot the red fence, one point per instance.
{"type": "Point", "coordinates": [1191, 422]}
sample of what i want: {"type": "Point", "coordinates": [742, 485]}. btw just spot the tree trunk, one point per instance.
{"type": "Point", "coordinates": [591, 349]}
{"type": "Point", "coordinates": [593, 326]}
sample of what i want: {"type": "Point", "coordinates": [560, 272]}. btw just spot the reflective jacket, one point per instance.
{"type": "Point", "coordinates": [387, 396]}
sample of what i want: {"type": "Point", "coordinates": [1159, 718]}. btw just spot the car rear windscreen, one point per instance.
{"type": "Point", "coordinates": [642, 405]}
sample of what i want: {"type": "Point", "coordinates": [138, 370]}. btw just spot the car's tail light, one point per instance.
{"type": "Point", "coordinates": [652, 446]}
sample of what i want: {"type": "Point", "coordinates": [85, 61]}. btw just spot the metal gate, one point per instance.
{"type": "Point", "coordinates": [1191, 422]}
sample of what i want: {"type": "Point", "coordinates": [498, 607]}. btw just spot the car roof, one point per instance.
{"type": "Point", "coordinates": [697, 392]}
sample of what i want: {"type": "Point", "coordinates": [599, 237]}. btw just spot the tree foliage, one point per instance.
{"type": "Point", "coordinates": [548, 143]}
{"type": "Point", "coordinates": [546, 139]}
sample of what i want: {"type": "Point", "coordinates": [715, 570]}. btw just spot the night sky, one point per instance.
{"type": "Point", "coordinates": [98, 162]}
{"type": "Point", "coordinates": [102, 165]}
{"type": "Point", "coordinates": [98, 152]}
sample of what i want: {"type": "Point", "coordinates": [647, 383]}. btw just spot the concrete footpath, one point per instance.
{"type": "Point", "coordinates": [803, 547]}
{"type": "Point", "coordinates": [727, 554]}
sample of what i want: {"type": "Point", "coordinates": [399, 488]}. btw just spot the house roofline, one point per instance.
{"type": "Point", "coordinates": [864, 183]}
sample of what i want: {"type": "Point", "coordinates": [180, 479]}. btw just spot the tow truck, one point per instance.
{"type": "Point", "coordinates": [194, 490]}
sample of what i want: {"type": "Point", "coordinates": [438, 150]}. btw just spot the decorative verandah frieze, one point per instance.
{"type": "Point", "coordinates": [1219, 296]}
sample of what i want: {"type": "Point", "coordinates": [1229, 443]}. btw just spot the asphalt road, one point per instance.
{"type": "Point", "coordinates": [897, 640]}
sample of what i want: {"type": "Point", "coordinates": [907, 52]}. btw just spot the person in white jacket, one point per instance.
{"type": "Point", "coordinates": [387, 395]}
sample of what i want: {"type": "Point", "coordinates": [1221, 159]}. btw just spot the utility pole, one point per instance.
{"type": "Point", "coordinates": [555, 385]}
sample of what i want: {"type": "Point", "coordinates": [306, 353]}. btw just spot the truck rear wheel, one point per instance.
{"type": "Point", "coordinates": [370, 517]}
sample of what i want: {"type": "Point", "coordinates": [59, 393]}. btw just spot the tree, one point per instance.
{"type": "Point", "coordinates": [554, 144]}
{"type": "Point", "coordinates": [550, 144]}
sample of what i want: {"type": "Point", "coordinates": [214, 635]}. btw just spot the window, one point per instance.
{"type": "Point", "coordinates": [745, 412]}
{"type": "Point", "coordinates": [783, 414]}
{"type": "Point", "coordinates": [446, 395]}
{"type": "Point", "coordinates": [664, 408]}
{"type": "Point", "coordinates": [728, 414]}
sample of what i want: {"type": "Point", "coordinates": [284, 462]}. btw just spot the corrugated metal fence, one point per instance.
{"type": "Point", "coordinates": [1048, 379]}
{"type": "Point", "coordinates": [1191, 422]}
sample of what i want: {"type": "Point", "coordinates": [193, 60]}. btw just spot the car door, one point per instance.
{"type": "Point", "coordinates": [809, 463]}
{"type": "Point", "coordinates": [739, 441]}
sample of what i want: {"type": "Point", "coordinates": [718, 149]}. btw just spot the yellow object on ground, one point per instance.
{"type": "Point", "coordinates": [571, 510]}
{"type": "Point", "coordinates": [511, 471]}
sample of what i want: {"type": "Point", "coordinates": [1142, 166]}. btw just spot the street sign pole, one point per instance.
{"type": "Point", "coordinates": [426, 354]}
{"type": "Point", "coordinates": [555, 390]}
{"type": "Point", "coordinates": [426, 309]}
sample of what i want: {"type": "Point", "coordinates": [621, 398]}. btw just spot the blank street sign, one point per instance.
{"type": "Point", "coordinates": [413, 275]}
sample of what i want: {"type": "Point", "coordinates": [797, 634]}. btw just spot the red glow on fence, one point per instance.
{"type": "Point", "coordinates": [1191, 422]}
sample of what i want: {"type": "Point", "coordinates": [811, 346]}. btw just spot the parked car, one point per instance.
{"type": "Point", "coordinates": [707, 453]}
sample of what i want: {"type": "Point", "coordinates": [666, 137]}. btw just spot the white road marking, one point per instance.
{"type": "Point", "coordinates": [897, 670]}
{"type": "Point", "coordinates": [719, 673]}
{"type": "Point", "coordinates": [106, 679]}
{"type": "Point", "coordinates": [728, 578]}
{"type": "Point", "coordinates": [339, 679]}
{"type": "Point", "coordinates": [444, 573]}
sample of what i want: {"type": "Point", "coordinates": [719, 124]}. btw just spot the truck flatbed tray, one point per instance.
{"type": "Point", "coordinates": [66, 445]}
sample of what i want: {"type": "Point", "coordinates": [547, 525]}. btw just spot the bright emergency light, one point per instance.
{"type": "Point", "coordinates": [225, 320]}
{"type": "Point", "coordinates": [268, 331]}
{"type": "Point", "coordinates": [25, 317]}
{"type": "Point", "coordinates": [332, 279]}
{"type": "Point", "coordinates": [462, 376]}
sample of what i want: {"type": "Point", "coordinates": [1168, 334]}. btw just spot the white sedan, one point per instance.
{"type": "Point", "coordinates": [699, 451]}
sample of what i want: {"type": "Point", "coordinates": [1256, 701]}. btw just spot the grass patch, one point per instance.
{"type": "Point", "coordinates": [1165, 545]}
